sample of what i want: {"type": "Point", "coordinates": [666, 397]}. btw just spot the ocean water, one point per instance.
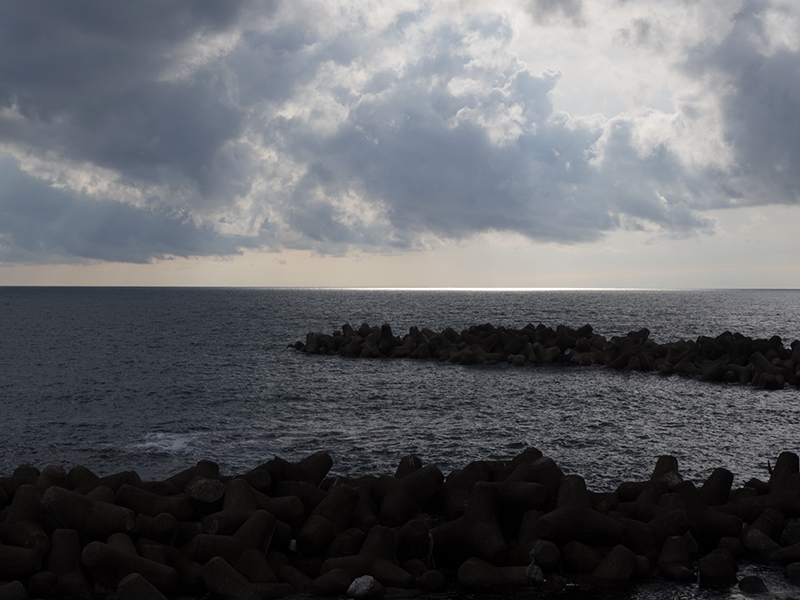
{"type": "Point", "coordinates": [154, 379]}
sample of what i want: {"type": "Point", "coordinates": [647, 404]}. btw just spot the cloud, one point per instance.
{"type": "Point", "coordinates": [40, 223]}
{"type": "Point", "coordinates": [757, 74]}
{"type": "Point", "coordinates": [203, 128]}
{"type": "Point", "coordinates": [546, 11]}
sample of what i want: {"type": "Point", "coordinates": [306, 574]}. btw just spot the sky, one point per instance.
{"type": "Point", "coordinates": [368, 143]}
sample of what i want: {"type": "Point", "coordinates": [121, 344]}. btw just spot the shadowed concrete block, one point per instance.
{"type": "Point", "coordinates": [788, 464]}
{"type": "Point", "coordinates": [676, 550]}
{"type": "Point", "coordinates": [287, 508]}
{"type": "Point", "coordinates": [255, 567]}
{"type": "Point", "coordinates": [311, 469]}
{"type": "Point", "coordinates": [189, 571]}
{"type": "Point", "coordinates": [293, 577]}
{"type": "Point", "coordinates": [113, 481]}
{"type": "Point", "coordinates": [109, 565]}
{"type": "Point", "coordinates": [639, 537]}
{"type": "Point", "coordinates": [616, 568]}
{"type": "Point", "coordinates": [732, 545]}
{"type": "Point", "coordinates": [717, 488]}
{"type": "Point", "coordinates": [221, 578]}
{"type": "Point", "coordinates": [257, 531]}
{"type": "Point", "coordinates": [771, 522]}
{"type": "Point", "coordinates": [432, 581]}
{"type": "Point", "coordinates": [752, 584]}
{"type": "Point", "coordinates": [51, 475]}
{"type": "Point", "coordinates": [18, 563]}
{"type": "Point", "coordinates": [792, 573]}
{"type": "Point", "coordinates": [546, 554]}
{"type": "Point", "coordinates": [365, 514]}
{"type": "Point", "coordinates": [239, 496]}
{"type": "Point", "coordinates": [413, 540]}
{"type": "Point", "coordinates": [476, 533]}
{"type": "Point", "coordinates": [44, 584]}
{"type": "Point", "coordinates": [329, 518]}
{"type": "Point", "coordinates": [136, 587]}
{"type": "Point", "coordinates": [791, 533]}
{"type": "Point", "coordinates": [408, 495]}
{"type": "Point", "coordinates": [333, 583]}
{"type": "Point", "coordinates": [543, 470]}
{"type": "Point", "coordinates": [92, 518]}
{"type": "Point", "coordinates": [455, 491]}
{"type": "Point", "coordinates": [526, 538]}
{"type": "Point", "coordinates": [23, 524]}
{"type": "Point", "coordinates": [579, 524]}
{"type": "Point", "coordinates": [572, 492]}
{"type": "Point", "coordinates": [759, 544]}
{"type": "Point", "coordinates": [375, 558]}
{"type": "Point", "coordinates": [258, 478]}
{"type": "Point", "coordinates": [580, 558]}
{"type": "Point", "coordinates": [225, 522]}
{"type": "Point", "coordinates": [203, 547]}
{"type": "Point", "coordinates": [122, 541]}
{"type": "Point", "coordinates": [205, 491]}
{"type": "Point", "coordinates": [475, 572]}
{"type": "Point", "coordinates": [666, 470]}
{"type": "Point", "coordinates": [407, 465]}
{"type": "Point", "coordinates": [717, 570]}
{"type": "Point", "coordinates": [521, 496]}
{"type": "Point", "coordinates": [102, 493]}
{"type": "Point", "coordinates": [161, 528]}
{"type": "Point", "coordinates": [673, 522]}
{"type": "Point", "coordinates": [64, 559]}
{"type": "Point", "coordinates": [13, 590]}
{"type": "Point", "coordinates": [148, 503]}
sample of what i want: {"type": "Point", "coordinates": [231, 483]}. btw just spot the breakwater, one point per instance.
{"type": "Point", "coordinates": [729, 357]}
{"type": "Point", "coordinates": [286, 527]}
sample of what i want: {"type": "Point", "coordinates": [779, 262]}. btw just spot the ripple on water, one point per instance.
{"type": "Point", "coordinates": [155, 379]}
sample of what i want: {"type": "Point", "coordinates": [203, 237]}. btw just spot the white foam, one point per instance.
{"type": "Point", "coordinates": [168, 443]}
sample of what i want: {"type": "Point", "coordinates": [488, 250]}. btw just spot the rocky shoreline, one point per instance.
{"type": "Point", "coordinates": [729, 357]}
{"type": "Point", "coordinates": [286, 528]}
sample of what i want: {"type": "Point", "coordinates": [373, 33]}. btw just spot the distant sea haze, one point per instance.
{"type": "Point", "coordinates": [154, 379]}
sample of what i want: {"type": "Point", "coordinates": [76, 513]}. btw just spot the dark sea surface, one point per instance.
{"type": "Point", "coordinates": [154, 379]}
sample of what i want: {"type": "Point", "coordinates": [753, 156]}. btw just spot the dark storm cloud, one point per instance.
{"type": "Point", "coordinates": [267, 119]}
{"type": "Point", "coordinates": [760, 98]}
{"type": "Point", "coordinates": [91, 80]}
{"type": "Point", "coordinates": [59, 57]}
{"type": "Point", "coordinates": [40, 223]}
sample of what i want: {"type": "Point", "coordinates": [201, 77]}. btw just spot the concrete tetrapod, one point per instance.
{"type": "Point", "coordinates": [407, 495]}
{"type": "Point", "coordinates": [328, 519]}
{"type": "Point", "coordinates": [643, 529]}
{"type": "Point", "coordinates": [92, 518]}
{"type": "Point", "coordinates": [376, 558]}
{"type": "Point", "coordinates": [730, 358]}
{"type": "Point", "coordinates": [23, 523]}
{"type": "Point", "coordinates": [109, 565]}
{"type": "Point", "coordinates": [476, 533]}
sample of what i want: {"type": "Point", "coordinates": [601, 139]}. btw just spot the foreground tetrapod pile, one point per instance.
{"type": "Point", "coordinates": [287, 527]}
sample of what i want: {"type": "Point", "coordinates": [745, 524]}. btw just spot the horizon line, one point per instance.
{"type": "Point", "coordinates": [404, 288]}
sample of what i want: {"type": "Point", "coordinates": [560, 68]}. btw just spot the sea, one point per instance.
{"type": "Point", "coordinates": [155, 379]}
